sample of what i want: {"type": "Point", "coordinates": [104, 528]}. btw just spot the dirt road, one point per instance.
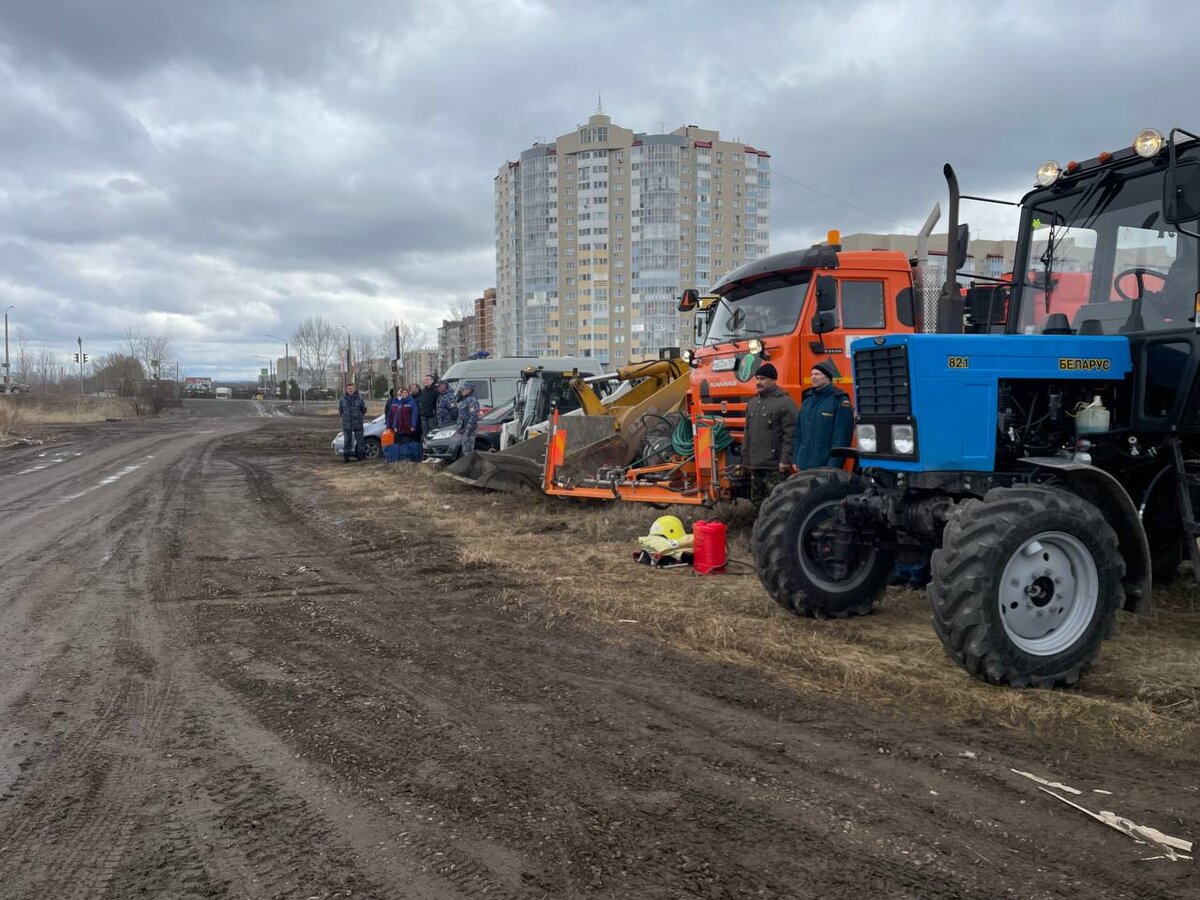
{"type": "Point", "coordinates": [214, 684]}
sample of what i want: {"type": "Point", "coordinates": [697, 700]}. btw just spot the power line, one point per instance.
{"type": "Point", "coordinates": [809, 187]}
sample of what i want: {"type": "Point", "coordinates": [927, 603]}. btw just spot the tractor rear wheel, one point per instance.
{"type": "Point", "coordinates": [1026, 586]}
{"type": "Point", "coordinates": [787, 557]}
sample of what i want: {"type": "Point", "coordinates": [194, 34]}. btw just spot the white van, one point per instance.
{"type": "Point", "coordinates": [224, 393]}
{"type": "Point", "coordinates": [496, 379]}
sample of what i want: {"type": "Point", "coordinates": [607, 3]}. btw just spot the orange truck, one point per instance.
{"type": "Point", "coordinates": [792, 309]}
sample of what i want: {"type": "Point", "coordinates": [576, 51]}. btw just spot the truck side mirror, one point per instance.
{"type": "Point", "coordinates": [824, 322]}
{"type": "Point", "coordinates": [825, 319]}
{"type": "Point", "coordinates": [1181, 193]}
{"type": "Point", "coordinates": [690, 300]}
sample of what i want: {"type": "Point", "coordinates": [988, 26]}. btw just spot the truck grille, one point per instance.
{"type": "Point", "coordinates": [881, 381]}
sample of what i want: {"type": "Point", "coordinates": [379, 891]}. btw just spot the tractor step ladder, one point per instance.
{"type": "Point", "coordinates": [1188, 514]}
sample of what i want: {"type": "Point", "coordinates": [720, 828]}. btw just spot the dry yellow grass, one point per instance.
{"type": "Point", "coordinates": [29, 411]}
{"type": "Point", "coordinates": [1144, 690]}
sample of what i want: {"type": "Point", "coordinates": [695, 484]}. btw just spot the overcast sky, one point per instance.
{"type": "Point", "coordinates": [219, 169]}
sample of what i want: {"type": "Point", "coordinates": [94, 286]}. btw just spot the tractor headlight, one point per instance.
{"type": "Point", "coordinates": [903, 440]}
{"type": "Point", "coordinates": [1148, 143]}
{"type": "Point", "coordinates": [755, 346]}
{"type": "Point", "coordinates": [1048, 173]}
{"type": "Point", "coordinates": [867, 440]}
{"type": "Point", "coordinates": [685, 355]}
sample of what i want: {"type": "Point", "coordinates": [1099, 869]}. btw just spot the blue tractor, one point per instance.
{"type": "Point", "coordinates": [1039, 455]}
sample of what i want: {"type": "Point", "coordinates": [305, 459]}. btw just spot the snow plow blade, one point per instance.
{"type": "Point", "coordinates": [520, 467]}
{"type": "Point", "coordinates": [517, 469]}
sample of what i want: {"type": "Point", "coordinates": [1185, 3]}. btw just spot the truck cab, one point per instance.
{"type": "Point", "coordinates": [795, 310]}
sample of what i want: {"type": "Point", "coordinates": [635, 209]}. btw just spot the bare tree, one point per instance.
{"type": "Point", "coordinates": [118, 372]}
{"type": "Point", "coordinates": [461, 307]}
{"type": "Point", "coordinates": [152, 350]}
{"type": "Point", "coordinates": [23, 367]}
{"type": "Point", "coordinates": [365, 358]}
{"type": "Point", "coordinates": [316, 343]}
{"type": "Point", "coordinates": [45, 369]}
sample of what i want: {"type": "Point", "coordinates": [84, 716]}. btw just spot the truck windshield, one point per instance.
{"type": "Point", "coordinates": [763, 307]}
{"type": "Point", "coordinates": [1099, 259]}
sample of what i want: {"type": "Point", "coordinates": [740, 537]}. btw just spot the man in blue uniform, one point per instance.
{"type": "Point", "coordinates": [447, 408]}
{"type": "Point", "coordinates": [468, 417]}
{"type": "Point", "coordinates": [825, 421]}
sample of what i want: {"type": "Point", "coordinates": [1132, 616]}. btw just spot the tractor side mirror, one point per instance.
{"type": "Point", "coordinates": [1181, 193]}
{"type": "Point", "coordinates": [825, 318]}
{"type": "Point", "coordinates": [962, 243]}
{"type": "Point", "coordinates": [987, 305]}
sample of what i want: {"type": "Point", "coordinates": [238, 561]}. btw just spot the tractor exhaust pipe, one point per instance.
{"type": "Point", "coordinates": [949, 307]}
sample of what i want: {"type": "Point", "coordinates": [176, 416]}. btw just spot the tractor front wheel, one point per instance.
{"type": "Point", "coordinates": [788, 553]}
{"type": "Point", "coordinates": [1026, 586]}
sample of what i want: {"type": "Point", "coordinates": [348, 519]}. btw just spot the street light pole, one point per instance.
{"type": "Point", "coordinates": [80, 340]}
{"type": "Point", "coordinates": [7, 365]}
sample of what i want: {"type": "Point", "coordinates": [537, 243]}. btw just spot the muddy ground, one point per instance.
{"type": "Point", "coordinates": [235, 667]}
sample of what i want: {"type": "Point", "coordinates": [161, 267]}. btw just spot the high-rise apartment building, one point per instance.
{"type": "Point", "coordinates": [599, 232]}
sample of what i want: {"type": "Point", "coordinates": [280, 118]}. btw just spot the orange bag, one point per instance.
{"type": "Point", "coordinates": [388, 438]}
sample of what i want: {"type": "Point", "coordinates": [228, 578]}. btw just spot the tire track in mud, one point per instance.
{"type": "Point", "coordinates": [69, 817]}
{"type": "Point", "coordinates": [261, 731]}
{"type": "Point", "coordinates": [418, 850]}
{"type": "Point", "coordinates": [346, 742]}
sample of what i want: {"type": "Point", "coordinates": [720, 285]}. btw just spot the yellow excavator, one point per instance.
{"type": "Point", "coordinates": [625, 412]}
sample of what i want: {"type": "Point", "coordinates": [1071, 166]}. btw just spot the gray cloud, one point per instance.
{"type": "Point", "coordinates": [224, 169]}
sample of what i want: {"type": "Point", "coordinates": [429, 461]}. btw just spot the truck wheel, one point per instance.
{"type": "Point", "coordinates": [1026, 586]}
{"type": "Point", "coordinates": [785, 553]}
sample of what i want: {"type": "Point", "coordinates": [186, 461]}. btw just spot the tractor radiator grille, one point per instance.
{"type": "Point", "coordinates": [881, 381]}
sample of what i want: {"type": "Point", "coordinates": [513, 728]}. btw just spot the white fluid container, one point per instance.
{"type": "Point", "coordinates": [1093, 417]}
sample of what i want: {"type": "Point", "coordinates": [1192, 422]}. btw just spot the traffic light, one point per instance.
{"type": "Point", "coordinates": [76, 357]}
{"type": "Point", "coordinates": [85, 357]}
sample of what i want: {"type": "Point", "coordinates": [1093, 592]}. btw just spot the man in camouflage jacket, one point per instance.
{"type": "Point", "coordinates": [447, 409]}
{"type": "Point", "coordinates": [468, 417]}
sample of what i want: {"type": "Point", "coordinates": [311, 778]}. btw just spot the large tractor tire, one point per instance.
{"type": "Point", "coordinates": [786, 558]}
{"type": "Point", "coordinates": [1026, 586]}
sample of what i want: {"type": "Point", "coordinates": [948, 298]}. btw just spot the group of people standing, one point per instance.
{"type": "Point", "coordinates": [782, 438]}
{"type": "Point", "coordinates": [411, 413]}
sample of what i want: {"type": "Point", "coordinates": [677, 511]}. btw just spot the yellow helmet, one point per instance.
{"type": "Point", "coordinates": [668, 527]}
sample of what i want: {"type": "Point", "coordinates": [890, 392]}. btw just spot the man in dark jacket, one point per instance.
{"type": "Point", "coordinates": [770, 427]}
{"type": "Point", "coordinates": [826, 420]}
{"type": "Point", "coordinates": [427, 401]}
{"type": "Point", "coordinates": [353, 408]}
